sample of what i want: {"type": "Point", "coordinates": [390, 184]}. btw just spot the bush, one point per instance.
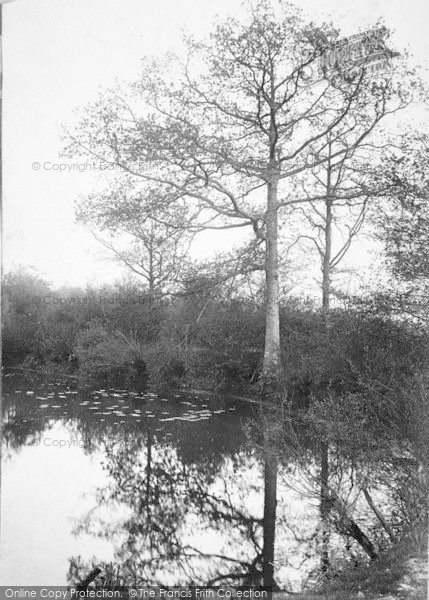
{"type": "Point", "coordinates": [23, 312]}
{"type": "Point", "coordinates": [109, 357]}
{"type": "Point", "coordinates": [166, 364]}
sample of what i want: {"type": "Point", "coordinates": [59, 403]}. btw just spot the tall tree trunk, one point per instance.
{"type": "Point", "coordinates": [270, 505]}
{"type": "Point", "coordinates": [324, 450]}
{"type": "Point", "coordinates": [148, 495]}
{"type": "Point", "coordinates": [272, 371]}
{"type": "Point", "coordinates": [272, 367]}
{"type": "Point", "coordinates": [272, 359]}
{"type": "Point", "coordinates": [324, 507]}
{"type": "Point", "coordinates": [151, 279]}
{"type": "Point", "coordinates": [326, 268]}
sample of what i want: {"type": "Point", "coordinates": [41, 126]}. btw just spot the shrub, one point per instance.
{"type": "Point", "coordinates": [109, 357]}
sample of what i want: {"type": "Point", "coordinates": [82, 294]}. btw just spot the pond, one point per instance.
{"type": "Point", "coordinates": [153, 489]}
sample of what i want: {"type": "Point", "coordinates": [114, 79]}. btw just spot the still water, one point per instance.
{"type": "Point", "coordinates": [153, 489]}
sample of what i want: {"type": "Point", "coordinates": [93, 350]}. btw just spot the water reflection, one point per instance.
{"type": "Point", "coordinates": [152, 490]}
{"type": "Point", "coordinates": [180, 522]}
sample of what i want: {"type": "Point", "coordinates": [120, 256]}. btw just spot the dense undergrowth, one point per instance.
{"type": "Point", "coordinates": [115, 332]}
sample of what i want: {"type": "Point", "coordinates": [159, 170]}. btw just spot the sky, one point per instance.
{"type": "Point", "coordinates": [58, 55]}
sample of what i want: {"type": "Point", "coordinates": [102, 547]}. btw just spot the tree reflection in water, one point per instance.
{"type": "Point", "coordinates": [182, 523]}
{"type": "Point", "coordinates": [184, 500]}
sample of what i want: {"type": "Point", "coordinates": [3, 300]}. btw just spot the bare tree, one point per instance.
{"type": "Point", "coordinates": [221, 135]}
{"type": "Point", "coordinates": [334, 222]}
{"type": "Point", "coordinates": [153, 250]}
